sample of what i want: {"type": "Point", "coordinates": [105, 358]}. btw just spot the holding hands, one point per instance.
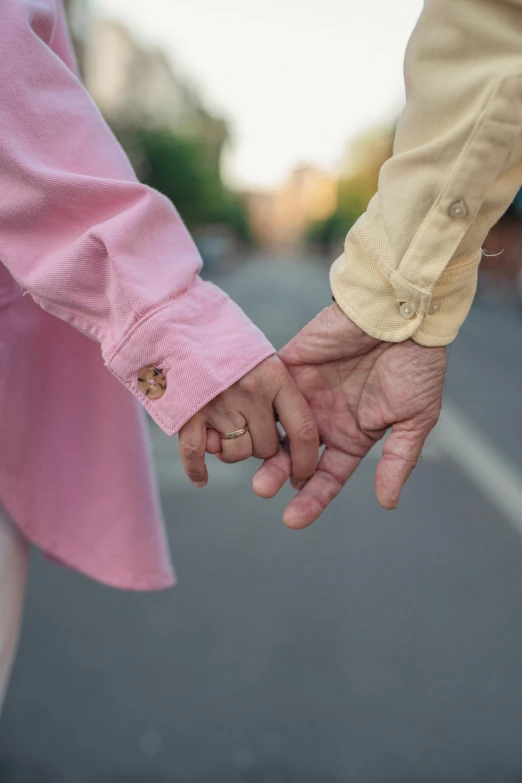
{"type": "Point", "coordinates": [357, 387]}
{"type": "Point", "coordinates": [340, 386]}
{"type": "Point", "coordinates": [240, 423]}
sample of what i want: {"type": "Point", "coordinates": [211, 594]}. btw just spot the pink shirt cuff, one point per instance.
{"type": "Point", "coordinates": [202, 341]}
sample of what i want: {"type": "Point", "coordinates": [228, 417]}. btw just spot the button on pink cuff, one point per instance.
{"type": "Point", "coordinates": [202, 342]}
{"type": "Point", "coordinates": [152, 382]}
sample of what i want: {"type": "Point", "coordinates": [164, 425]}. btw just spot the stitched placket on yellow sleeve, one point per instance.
{"type": "Point", "coordinates": [479, 165]}
{"type": "Point", "coordinates": [427, 293]}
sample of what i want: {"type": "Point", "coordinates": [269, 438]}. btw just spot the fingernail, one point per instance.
{"type": "Point", "coordinates": [200, 484]}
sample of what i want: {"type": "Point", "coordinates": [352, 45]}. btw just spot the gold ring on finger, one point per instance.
{"type": "Point", "coordinates": [235, 434]}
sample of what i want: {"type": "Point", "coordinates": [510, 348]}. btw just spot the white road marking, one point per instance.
{"type": "Point", "coordinates": [494, 474]}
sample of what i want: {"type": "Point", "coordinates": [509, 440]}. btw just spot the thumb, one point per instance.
{"type": "Point", "coordinates": [400, 455]}
{"type": "Point", "coordinates": [273, 473]}
{"type": "Point", "coordinates": [289, 353]}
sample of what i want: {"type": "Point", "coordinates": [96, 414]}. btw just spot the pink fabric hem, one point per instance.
{"type": "Point", "coordinates": [62, 556]}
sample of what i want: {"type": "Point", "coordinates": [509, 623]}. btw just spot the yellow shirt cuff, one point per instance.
{"type": "Point", "coordinates": [401, 311]}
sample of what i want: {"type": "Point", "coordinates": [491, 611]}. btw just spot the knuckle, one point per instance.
{"type": "Point", "coordinates": [249, 384]}
{"type": "Point", "coordinates": [281, 377]}
{"type": "Point", "coordinates": [307, 432]}
{"type": "Point", "coordinates": [428, 420]}
{"type": "Point", "coordinates": [271, 372]}
{"type": "Point", "coordinates": [367, 422]}
{"type": "Point", "coordinates": [266, 451]}
{"type": "Point", "coordinates": [271, 451]}
{"type": "Point", "coordinates": [230, 459]}
{"type": "Point", "coordinates": [190, 449]}
{"type": "Point", "coordinates": [240, 452]}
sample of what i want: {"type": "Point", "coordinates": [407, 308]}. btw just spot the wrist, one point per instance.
{"type": "Point", "coordinates": [202, 342]}
{"type": "Point", "coordinates": [345, 328]}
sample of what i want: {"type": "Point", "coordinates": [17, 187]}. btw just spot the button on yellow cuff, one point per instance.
{"type": "Point", "coordinates": [456, 167]}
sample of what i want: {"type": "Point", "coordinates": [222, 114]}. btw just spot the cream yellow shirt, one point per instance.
{"type": "Point", "coordinates": [410, 263]}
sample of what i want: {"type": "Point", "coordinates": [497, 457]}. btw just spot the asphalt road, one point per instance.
{"type": "Point", "coordinates": [370, 648]}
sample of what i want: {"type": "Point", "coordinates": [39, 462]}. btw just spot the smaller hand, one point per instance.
{"type": "Point", "coordinates": [357, 387]}
{"type": "Point", "coordinates": [253, 402]}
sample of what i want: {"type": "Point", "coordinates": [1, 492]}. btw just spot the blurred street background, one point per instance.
{"type": "Point", "coordinates": [373, 647]}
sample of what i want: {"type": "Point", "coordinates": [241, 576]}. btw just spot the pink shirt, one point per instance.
{"type": "Point", "coordinates": [111, 258]}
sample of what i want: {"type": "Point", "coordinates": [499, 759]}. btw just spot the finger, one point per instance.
{"type": "Point", "coordinates": [299, 425]}
{"type": "Point", "coordinates": [402, 449]}
{"type": "Point", "coordinates": [272, 474]}
{"type": "Point", "coordinates": [192, 441]}
{"type": "Point", "coordinates": [263, 431]}
{"type": "Point", "coordinates": [213, 441]}
{"type": "Point", "coordinates": [235, 449]}
{"type": "Point", "coordinates": [334, 469]}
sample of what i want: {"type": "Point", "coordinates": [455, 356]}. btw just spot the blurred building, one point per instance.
{"type": "Point", "coordinates": [280, 218]}
{"type": "Point", "coordinates": [136, 84]}
{"type": "Point", "coordinates": [172, 140]}
{"type": "Point", "coordinates": [133, 83]}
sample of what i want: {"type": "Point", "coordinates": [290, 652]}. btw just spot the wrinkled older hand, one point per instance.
{"type": "Point", "coordinates": [357, 387]}
{"type": "Point", "coordinates": [252, 401]}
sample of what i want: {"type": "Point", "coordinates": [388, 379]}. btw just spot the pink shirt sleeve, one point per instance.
{"type": "Point", "coordinates": [96, 248]}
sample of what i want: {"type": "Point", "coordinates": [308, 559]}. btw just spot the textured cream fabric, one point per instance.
{"type": "Point", "coordinates": [456, 167]}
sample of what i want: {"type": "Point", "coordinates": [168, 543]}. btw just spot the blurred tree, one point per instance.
{"type": "Point", "coordinates": [186, 170]}
{"type": "Point", "coordinates": [174, 142]}
{"type": "Point", "coordinates": [357, 185]}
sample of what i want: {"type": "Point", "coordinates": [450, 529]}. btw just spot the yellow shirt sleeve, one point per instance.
{"type": "Point", "coordinates": [410, 264]}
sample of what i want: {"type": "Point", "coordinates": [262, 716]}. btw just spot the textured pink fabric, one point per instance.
{"type": "Point", "coordinates": [111, 258]}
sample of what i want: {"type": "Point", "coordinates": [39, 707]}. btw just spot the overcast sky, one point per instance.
{"type": "Point", "coordinates": [296, 78]}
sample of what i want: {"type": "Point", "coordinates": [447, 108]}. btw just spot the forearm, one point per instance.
{"type": "Point", "coordinates": [410, 263]}
{"type": "Point", "coordinates": [96, 248]}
